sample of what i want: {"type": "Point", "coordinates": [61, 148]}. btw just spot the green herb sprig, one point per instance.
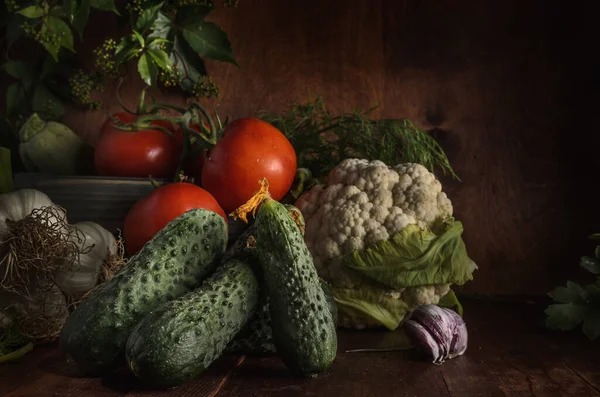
{"type": "Point", "coordinates": [578, 305]}
{"type": "Point", "coordinates": [323, 140]}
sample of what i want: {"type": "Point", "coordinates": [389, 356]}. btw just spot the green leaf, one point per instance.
{"type": "Point", "coordinates": [147, 69]}
{"type": "Point", "coordinates": [59, 27]}
{"type": "Point", "coordinates": [46, 103]}
{"type": "Point", "coordinates": [450, 301]}
{"type": "Point", "coordinates": [193, 14]}
{"type": "Point", "coordinates": [81, 16]}
{"type": "Point", "coordinates": [162, 28]}
{"type": "Point", "coordinates": [416, 257]}
{"type": "Point", "coordinates": [19, 70]}
{"type": "Point", "coordinates": [208, 40]}
{"type": "Point", "coordinates": [126, 50]}
{"type": "Point", "coordinates": [15, 99]}
{"type": "Point", "coordinates": [59, 12]}
{"type": "Point", "coordinates": [590, 264]}
{"type": "Point", "coordinates": [139, 38]}
{"type": "Point", "coordinates": [31, 12]}
{"type": "Point", "coordinates": [147, 18]}
{"type": "Point", "coordinates": [591, 295]}
{"type": "Point", "coordinates": [187, 62]}
{"type": "Point", "coordinates": [369, 303]}
{"type": "Point", "coordinates": [104, 5]}
{"type": "Point", "coordinates": [571, 293]}
{"type": "Point", "coordinates": [70, 7]}
{"type": "Point", "coordinates": [14, 30]}
{"type": "Point", "coordinates": [565, 316]}
{"type": "Point", "coordinates": [591, 323]}
{"type": "Point", "coordinates": [161, 59]}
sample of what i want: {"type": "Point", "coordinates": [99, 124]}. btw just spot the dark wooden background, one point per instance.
{"type": "Point", "coordinates": [508, 85]}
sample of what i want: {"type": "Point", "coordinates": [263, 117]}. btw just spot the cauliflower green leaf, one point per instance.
{"type": "Point", "coordinates": [370, 302]}
{"type": "Point", "coordinates": [415, 257]}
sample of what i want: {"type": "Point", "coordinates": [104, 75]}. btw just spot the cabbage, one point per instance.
{"type": "Point", "coordinates": [51, 147]}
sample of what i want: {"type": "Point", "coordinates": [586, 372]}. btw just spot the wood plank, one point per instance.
{"type": "Point", "coordinates": [15, 374]}
{"type": "Point", "coordinates": [207, 385]}
{"type": "Point", "coordinates": [56, 376]}
{"type": "Point", "coordinates": [509, 354]}
{"type": "Point", "coordinates": [49, 375]}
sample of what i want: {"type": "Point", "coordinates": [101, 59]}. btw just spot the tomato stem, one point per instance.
{"type": "Point", "coordinates": [141, 101]}
{"type": "Point", "coordinates": [125, 108]}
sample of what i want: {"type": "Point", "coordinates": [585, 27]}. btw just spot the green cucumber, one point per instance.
{"type": "Point", "coordinates": [256, 338]}
{"type": "Point", "coordinates": [179, 340]}
{"type": "Point", "coordinates": [304, 331]}
{"type": "Point", "coordinates": [175, 261]}
{"type": "Point", "coordinates": [239, 248]}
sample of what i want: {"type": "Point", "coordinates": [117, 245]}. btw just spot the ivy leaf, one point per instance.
{"type": "Point", "coordinates": [70, 6]}
{"type": "Point", "coordinates": [591, 324]}
{"type": "Point", "coordinates": [187, 62]}
{"type": "Point", "coordinates": [31, 12]}
{"type": "Point", "coordinates": [139, 38]}
{"type": "Point", "coordinates": [15, 99]}
{"type": "Point", "coordinates": [81, 16]}
{"type": "Point", "coordinates": [208, 40]}
{"type": "Point", "coordinates": [162, 28]}
{"type": "Point", "coordinates": [126, 50]}
{"type": "Point", "coordinates": [147, 69]}
{"type": "Point", "coordinates": [46, 103]}
{"type": "Point", "coordinates": [571, 293]}
{"type": "Point", "coordinates": [590, 264]}
{"type": "Point", "coordinates": [161, 59]}
{"type": "Point", "coordinates": [19, 70]}
{"type": "Point", "coordinates": [565, 316]}
{"type": "Point", "coordinates": [65, 38]}
{"type": "Point", "coordinates": [147, 18]}
{"type": "Point", "coordinates": [192, 14]}
{"type": "Point", "coordinates": [105, 5]}
{"type": "Point", "coordinates": [59, 12]}
{"type": "Point", "coordinates": [14, 30]}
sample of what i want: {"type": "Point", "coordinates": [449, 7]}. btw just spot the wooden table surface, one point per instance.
{"type": "Point", "coordinates": [510, 354]}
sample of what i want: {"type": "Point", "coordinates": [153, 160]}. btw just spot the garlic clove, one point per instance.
{"type": "Point", "coordinates": [443, 327]}
{"type": "Point", "coordinates": [460, 336]}
{"type": "Point", "coordinates": [438, 323]}
{"type": "Point", "coordinates": [423, 340]}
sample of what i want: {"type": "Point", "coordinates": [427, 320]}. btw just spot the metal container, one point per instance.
{"type": "Point", "coordinates": [104, 200]}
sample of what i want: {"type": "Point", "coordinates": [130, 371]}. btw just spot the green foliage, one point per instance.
{"type": "Point", "coordinates": [322, 140]}
{"type": "Point", "coordinates": [578, 305]}
{"type": "Point", "coordinates": [166, 43]}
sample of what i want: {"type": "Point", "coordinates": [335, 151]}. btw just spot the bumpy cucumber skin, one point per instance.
{"type": "Point", "coordinates": [179, 340]}
{"type": "Point", "coordinates": [256, 338]}
{"type": "Point", "coordinates": [304, 331]}
{"type": "Point", "coordinates": [175, 261]}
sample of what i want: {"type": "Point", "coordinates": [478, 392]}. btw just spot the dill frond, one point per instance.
{"type": "Point", "coordinates": [322, 140]}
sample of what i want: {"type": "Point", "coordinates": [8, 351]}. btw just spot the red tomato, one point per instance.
{"type": "Point", "coordinates": [250, 150]}
{"type": "Point", "coordinates": [152, 213]}
{"type": "Point", "coordinates": [137, 153]}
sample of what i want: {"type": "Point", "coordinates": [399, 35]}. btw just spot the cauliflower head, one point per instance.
{"type": "Point", "coordinates": [364, 202]}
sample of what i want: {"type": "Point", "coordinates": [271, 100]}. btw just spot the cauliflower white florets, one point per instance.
{"type": "Point", "coordinates": [364, 202]}
{"type": "Point", "coordinates": [361, 203]}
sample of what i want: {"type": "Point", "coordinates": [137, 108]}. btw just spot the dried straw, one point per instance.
{"type": "Point", "coordinates": [35, 248]}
